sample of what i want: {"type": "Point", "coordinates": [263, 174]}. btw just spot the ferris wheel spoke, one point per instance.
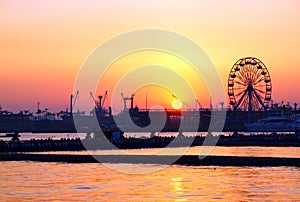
{"type": "Point", "coordinates": [243, 72]}
{"type": "Point", "coordinates": [240, 93]}
{"type": "Point", "coordinates": [241, 98]}
{"type": "Point", "coordinates": [242, 79]}
{"type": "Point", "coordinates": [250, 76]}
{"type": "Point", "coordinates": [260, 99]}
{"type": "Point", "coordinates": [254, 73]}
{"type": "Point", "coordinates": [257, 76]}
{"type": "Point", "coordinates": [242, 102]}
{"type": "Point", "coordinates": [245, 102]}
{"type": "Point", "coordinates": [261, 86]}
{"type": "Point", "coordinates": [253, 104]}
{"type": "Point", "coordinates": [260, 95]}
{"type": "Point", "coordinates": [260, 80]}
{"type": "Point", "coordinates": [256, 106]}
{"type": "Point", "coordinates": [255, 100]}
{"type": "Point", "coordinates": [261, 91]}
{"type": "Point", "coordinates": [243, 84]}
{"type": "Point", "coordinates": [239, 89]}
{"type": "Point", "coordinates": [239, 81]}
{"type": "Point", "coordinates": [247, 75]}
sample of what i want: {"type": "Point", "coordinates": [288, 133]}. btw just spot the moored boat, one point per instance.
{"type": "Point", "coordinates": [274, 123]}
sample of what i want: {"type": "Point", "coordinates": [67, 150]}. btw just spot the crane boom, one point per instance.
{"type": "Point", "coordinates": [92, 96]}
{"type": "Point", "coordinates": [76, 97]}
{"type": "Point", "coordinates": [199, 104]}
{"type": "Point", "coordinates": [105, 95]}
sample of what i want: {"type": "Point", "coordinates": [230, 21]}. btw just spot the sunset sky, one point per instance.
{"type": "Point", "coordinates": [43, 44]}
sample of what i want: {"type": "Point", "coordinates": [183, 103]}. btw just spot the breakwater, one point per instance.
{"type": "Point", "coordinates": [188, 160]}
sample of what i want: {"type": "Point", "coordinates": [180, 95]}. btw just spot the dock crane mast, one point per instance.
{"type": "Point", "coordinates": [73, 101]}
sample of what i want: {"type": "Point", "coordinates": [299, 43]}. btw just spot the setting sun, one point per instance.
{"type": "Point", "coordinates": [176, 104]}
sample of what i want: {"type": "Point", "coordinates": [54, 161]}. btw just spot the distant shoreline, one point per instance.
{"type": "Point", "coordinates": [120, 142]}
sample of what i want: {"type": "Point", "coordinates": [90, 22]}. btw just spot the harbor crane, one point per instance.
{"type": "Point", "coordinates": [100, 103]}
{"type": "Point", "coordinates": [126, 99]}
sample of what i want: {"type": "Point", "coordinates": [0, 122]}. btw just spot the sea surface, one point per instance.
{"type": "Point", "coordinates": [43, 181]}
{"type": "Point", "coordinates": [35, 181]}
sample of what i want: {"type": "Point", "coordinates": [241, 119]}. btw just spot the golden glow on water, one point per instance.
{"type": "Point", "coordinates": [24, 181]}
{"type": "Point", "coordinates": [176, 185]}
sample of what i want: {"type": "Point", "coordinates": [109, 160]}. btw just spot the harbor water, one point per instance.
{"type": "Point", "coordinates": [27, 181]}
{"type": "Point", "coordinates": [45, 181]}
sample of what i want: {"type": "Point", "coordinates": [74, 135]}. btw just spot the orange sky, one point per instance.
{"type": "Point", "coordinates": [44, 43]}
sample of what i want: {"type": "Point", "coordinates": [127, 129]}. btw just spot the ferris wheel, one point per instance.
{"type": "Point", "coordinates": [249, 85]}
